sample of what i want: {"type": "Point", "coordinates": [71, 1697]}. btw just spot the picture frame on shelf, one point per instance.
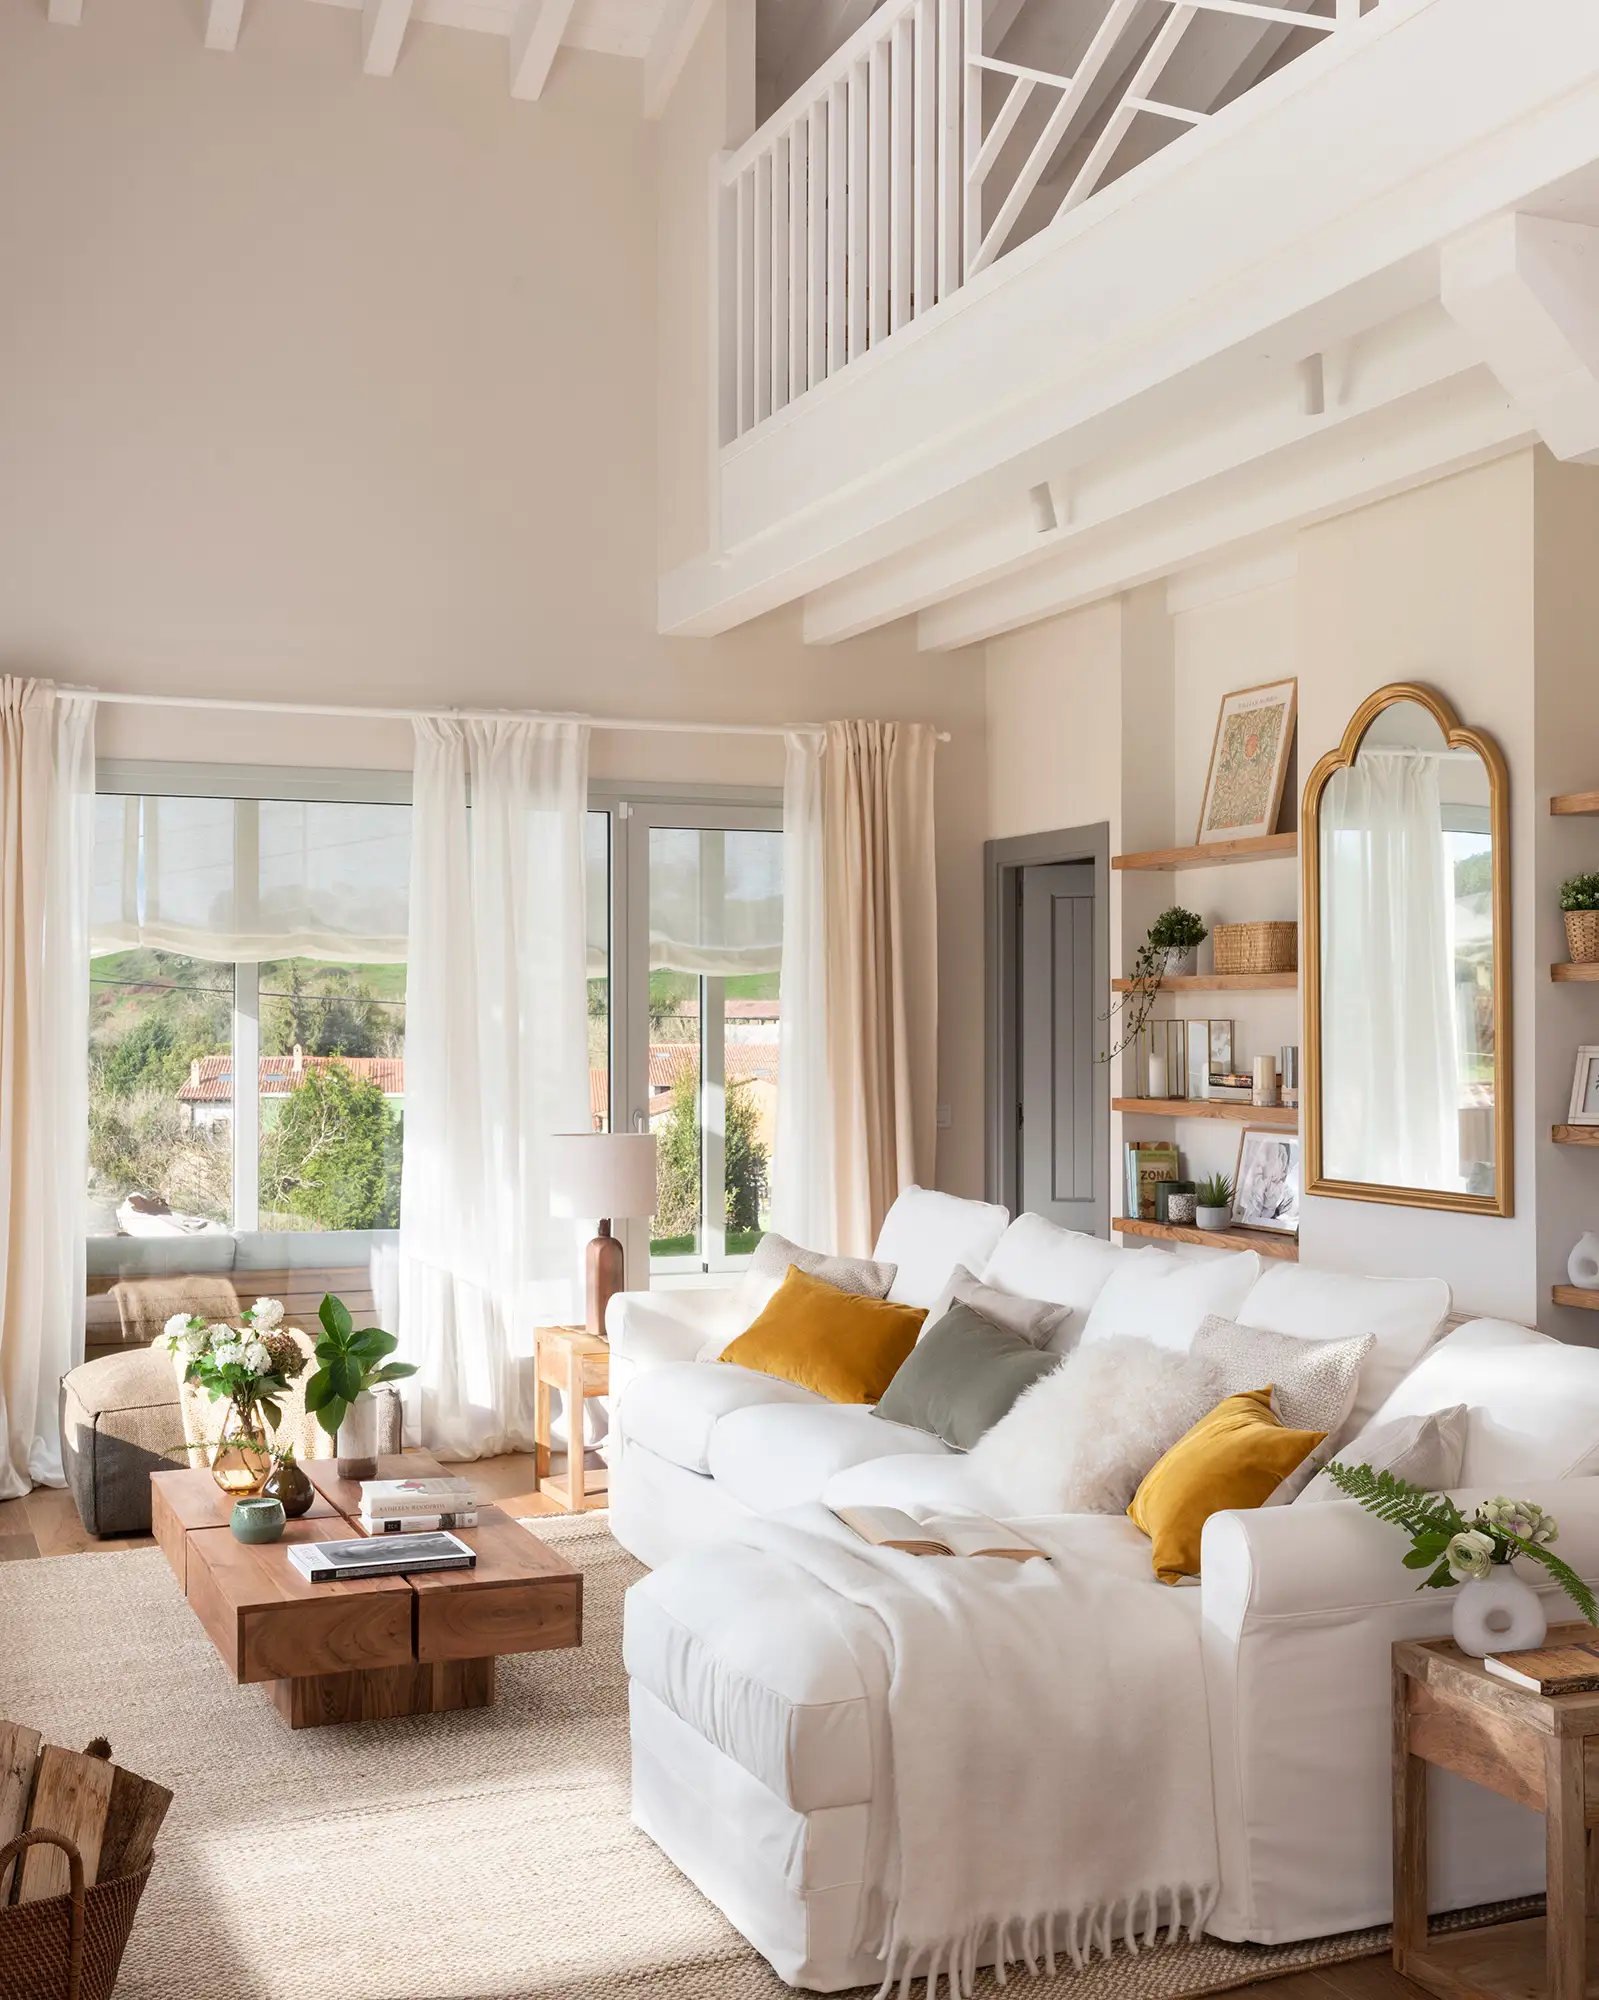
{"type": "Point", "coordinates": [1221, 1047]}
{"type": "Point", "coordinates": [1585, 1087]}
{"type": "Point", "coordinates": [1249, 762]}
{"type": "Point", "coordinates": [1268, 1179]}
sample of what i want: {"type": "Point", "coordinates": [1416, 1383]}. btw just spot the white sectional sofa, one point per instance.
{"type": "Point", "coordinates": [750, 1712]}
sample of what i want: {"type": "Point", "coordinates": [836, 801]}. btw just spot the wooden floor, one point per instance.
{"type": "Point", "coordinates": [47, 1524]}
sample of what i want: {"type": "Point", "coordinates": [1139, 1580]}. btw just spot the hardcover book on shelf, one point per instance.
{"type": "Point", "coordinates": [396, 1555]}
{"type": "Point", "coordinates": [1147, 1166]}
{"type": "Point", "coordinates": [1572, 1668]}
{"type": "Point", "coordinates": [414, 1524]}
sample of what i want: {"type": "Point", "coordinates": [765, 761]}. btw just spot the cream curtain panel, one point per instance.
{"type": "Point", "coordinates": [803, 1206]}
{"type": "Point", "coordinates": [240, 881]}
{"type": "Point", "coordinates": [882, 967]}
{"type": "Point", "coordinates": [46, 840]}
{"type": "Point", "coordinates": [496, 1061]}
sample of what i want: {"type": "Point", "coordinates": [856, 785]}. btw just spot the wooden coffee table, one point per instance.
{"type": "Point", "coordinates": [380, 1647]}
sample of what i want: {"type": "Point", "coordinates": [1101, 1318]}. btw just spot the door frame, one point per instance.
{"type": "Point", "coordinates": [1003, 861]}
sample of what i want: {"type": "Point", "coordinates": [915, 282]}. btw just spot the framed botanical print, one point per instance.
{"type": "Point", "coordinates": [1248, 762]}
{"type": "Point", "coordinates": [1585, 1088]}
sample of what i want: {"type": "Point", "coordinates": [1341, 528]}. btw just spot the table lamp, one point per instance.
{"type": "Point", "coordinates": [607, 1175]}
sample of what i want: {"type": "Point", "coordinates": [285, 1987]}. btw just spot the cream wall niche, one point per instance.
{"type": "Point", "coordinates": [331, 387]}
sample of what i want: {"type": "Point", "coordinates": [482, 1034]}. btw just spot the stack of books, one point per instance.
{"type": "Point", "coordinates": [416, 1506]}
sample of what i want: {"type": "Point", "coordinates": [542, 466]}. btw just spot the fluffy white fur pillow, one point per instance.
{"type": "Point", "coordinates": [1079, 1441]}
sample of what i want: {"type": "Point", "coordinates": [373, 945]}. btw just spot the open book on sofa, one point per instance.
{"type": "Point", "coordinates": [940, 1535]}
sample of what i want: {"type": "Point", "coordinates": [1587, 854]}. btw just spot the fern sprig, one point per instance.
{"type": "Point", "coordinates": [1564, 1575]}
{"type": "Point", "coordinates": [1409, 1507]}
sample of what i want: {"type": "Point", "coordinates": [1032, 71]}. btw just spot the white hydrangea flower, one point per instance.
{"type": "Point", "coordinates": [176, 1327]}
{"type": "Point", "coordinates": [194, 1341]}
{"type": "Point", "coordinates": [1470, 1554]}
{"type": "Point", "coordinates": [228, 1353]}
{"type": "Point", "coordinates": [266, 1315]}
{"type": "Point", "coordinates": [256, 1357]}
{"type": "Point", "coordinates": [1522, 1518]}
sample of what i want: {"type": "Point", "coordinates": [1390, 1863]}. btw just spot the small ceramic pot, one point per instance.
{"type": "Point", "coordinates": [1582, 1266]}
{"type": "Point", "coordinates": [1181, 964]}
{"type": "Point", "coordinates": [256, 1520]}
{"type": "Point", "coordinates": [371, 1430]}
{"type": "Point", "coordinates": [287, 1483]}
{"type": "Point", "coordinates": [1168, 1196]}
{"type": "Point", "coordinates": [1212, 1218]}
{"type": "Point", "coordinates": [1181, 1210]}
{"type": "Point", "coordinates": [1498, 1614]}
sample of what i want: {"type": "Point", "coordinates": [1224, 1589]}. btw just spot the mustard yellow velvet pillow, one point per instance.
{"type": "Point", "coordinates": [1235, 1457]}
{"type": "Point", "coordinates": [845, 1348]}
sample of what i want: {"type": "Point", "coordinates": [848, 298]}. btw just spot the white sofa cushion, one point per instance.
{"type": "Point", "coordinates": [926, 1234]}
{"type": "Point", "coordinates": [1532, 1402]}
{"type": "Point", "coordinates": [1040, 1260]}
{"type": "Point", "coordinates": [747, 1651]}
{"type": "Point", "coordinates": [1151, 1296]}
{"type": "Point", "coordinates": [1037, 1321]}
{"type": "Point", "coordinates": [1405, 1314]}
{"type": "Point", "coordinates": [778, 1456]}
{"type": "Point", "coordinates": [1426, 1449]}
{"type": "Point", "coordinates": [920, 1485]}
{"type": "Point", "coordinates": [673, 1411]}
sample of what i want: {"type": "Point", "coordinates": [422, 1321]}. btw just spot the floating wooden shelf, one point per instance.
{"type": "Point", "coordinates": [1576, 1295]}
{"type": "Point", "coordinates": [1267, 1241]}
{"type": "Point", "coordinates": [1227, 982]}
{"type": "Point", "coordinates": [1224, 1107]}
{"type": "Point", "coordinates": [1214, 853]}
{"type": "Point", "coordinates": [1572, 1135]}
{"type": "Point", "coordinates": [1566, 969]}
{"type": "Point", "coordinates": [1574, 802]}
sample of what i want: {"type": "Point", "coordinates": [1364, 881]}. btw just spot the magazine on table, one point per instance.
{"type": "Point", "coordinates": [939, 1534]}
{"type": "Point", "coordinates": [384, 1555]}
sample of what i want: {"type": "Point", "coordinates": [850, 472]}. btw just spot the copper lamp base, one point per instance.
{"type": "Point", "coordinates": [604, 1271]}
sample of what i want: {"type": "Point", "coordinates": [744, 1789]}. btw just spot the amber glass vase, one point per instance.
{"type": "Point", "coordinates": [241, 1457]}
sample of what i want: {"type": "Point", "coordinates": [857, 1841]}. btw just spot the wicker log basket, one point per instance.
{"type": "Point", "coordinates": [1582, 936]}
{"type": "Point", "coordinates": [66, 1947]}
{"type": "Point", "coordinates": [1257, 947]}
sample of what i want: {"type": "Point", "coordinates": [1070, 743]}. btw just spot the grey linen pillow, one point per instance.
{"type": "Point", "coordinates": [1313, 1382]}
{"type": "Point", "coordinates": [768, 1267]}
{"type": "Point", "coordinates": [962, 1378]}
{"type": "Point", "coordinates": [1037, 1321]}
{"type": "Point", "coordinates": [1427, 1449]}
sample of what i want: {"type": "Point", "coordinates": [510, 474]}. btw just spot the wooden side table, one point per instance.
{"type": "Point", "coordinates": [1542, 1751]}
{"type": "Point", "coordinates": [578, 1365]}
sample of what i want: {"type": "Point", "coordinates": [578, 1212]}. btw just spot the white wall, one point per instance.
{"type": "Point", "coordinates": [329, 387]}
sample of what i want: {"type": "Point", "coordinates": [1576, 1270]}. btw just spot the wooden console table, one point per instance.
{"type": "Point", "coordinates": [579, 1365]}
{"type": "Point", "coordinates": [1542, 1751]}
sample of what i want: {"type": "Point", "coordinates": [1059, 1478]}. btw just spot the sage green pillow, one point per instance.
{"type": "Point", "coordinates": [961, 1378]}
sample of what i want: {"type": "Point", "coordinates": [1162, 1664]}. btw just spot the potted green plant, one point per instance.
{"type": "Point", "coordinates": [1168, 952]}
{"type": "Point", "coordinates": [1213, 1201]}
{"type": "Point", "coordinates": [350, 1365]}
{"type": "Point", "coordinates": [1579, 899]}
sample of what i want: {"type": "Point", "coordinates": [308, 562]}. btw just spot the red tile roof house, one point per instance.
{"type": "Point", "coordinates": [207, 1097]}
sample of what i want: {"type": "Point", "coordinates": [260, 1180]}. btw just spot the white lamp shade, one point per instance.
{"type": "Point", "coordinates": [602, 1174]}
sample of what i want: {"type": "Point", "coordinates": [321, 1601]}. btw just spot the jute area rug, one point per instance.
{"type": "Point", "coordinates": [451, 1857]}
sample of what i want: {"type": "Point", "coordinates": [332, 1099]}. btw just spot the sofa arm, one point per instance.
{"type": "Point", "coordinates": [652, 1329]}
{"type": "Point", "coordinates": [1300, 1607]}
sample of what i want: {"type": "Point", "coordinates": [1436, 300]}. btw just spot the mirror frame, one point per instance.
{"type": "Point", "coordinates": [1503, 1200]}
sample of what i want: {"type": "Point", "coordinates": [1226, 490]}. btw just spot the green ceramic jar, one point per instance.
{"type": "Point", "coordinates": [257, 1520]}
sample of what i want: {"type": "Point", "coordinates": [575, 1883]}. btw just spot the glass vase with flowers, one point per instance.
{"type": "Point", "coordinates": [248, 1364]}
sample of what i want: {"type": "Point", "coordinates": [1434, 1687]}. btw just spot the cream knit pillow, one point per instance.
{"type": "Point", "coordinates": [1314, 1382]}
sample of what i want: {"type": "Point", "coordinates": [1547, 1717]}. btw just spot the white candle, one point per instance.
{"type": "Point", "coordinates": [1265, 1079]}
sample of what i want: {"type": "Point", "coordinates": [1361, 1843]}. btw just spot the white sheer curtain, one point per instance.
{"type": "Point", "coordinates": [1390, 1067]}
{"type": "Point", "coordinates": [802, 1166]}
{"type": "Point", "coordinates": [496, 1061]}
{"type": "Point", "coordinates": [46, 862]}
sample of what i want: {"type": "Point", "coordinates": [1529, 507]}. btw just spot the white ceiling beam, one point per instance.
{"type": "Point", "coordinates": [67, 13]}
{"type": "Point", "coordinates": [383, 25]}
{"type": "Point", "coordinates": [1445, 431]}
{"type": "Point", "coordinates": [1525, 291]}
{"type": "Point", "coordinates": [1182, 453]}
{"type": "Point", "coordinates": [676, 32]}
{"type": "Point", "coordinates": [223, 20]}
{"type": "Point", "coordinates": [536, 30]}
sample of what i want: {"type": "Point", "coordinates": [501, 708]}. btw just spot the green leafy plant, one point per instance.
{"type": "Point", "coordinates": [348, 1364]}
{"type": "Point", "coordinates": [1175, 929]}
{"type": "Point", "coordinates": [1214, 1191]}
{"type": "Point", "coordinates": [1580, 892]}
{"type": "Point", "coordinates": [1453, 1547]}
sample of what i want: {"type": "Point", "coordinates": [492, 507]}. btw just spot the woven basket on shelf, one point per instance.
{"type": "Point", "coordinates": [1582, 935]}
{"type": "Point", "coordinates": [66, 1947]}
{"type": "Point", "coordinates": [1261, 947]}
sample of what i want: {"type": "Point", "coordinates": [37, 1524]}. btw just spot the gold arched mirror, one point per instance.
{"type": "Point", "coordinates": [1406, 838]}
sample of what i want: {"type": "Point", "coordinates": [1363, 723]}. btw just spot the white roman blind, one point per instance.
{"type": "Point", "coordinates": [716, 902]}
{"type": "Point", "coordinates": [246, 880]}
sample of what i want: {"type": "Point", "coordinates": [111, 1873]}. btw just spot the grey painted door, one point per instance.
{"type": "Point", "coordinates": [1058, 1173]}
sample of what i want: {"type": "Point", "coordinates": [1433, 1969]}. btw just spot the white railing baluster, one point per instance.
{"type": "Point", "coordinates": [763, 287]}
{"type": "Point", "coordinates": [878, 193]}
{"type": "Point", "coordinates": [837, 226]}
{"type": "Point", "coordinates": [780, 157]}
{"type": "Point", "coordinates": [860, 234]}
{"type": "Point", "coordinates": [879, 189]}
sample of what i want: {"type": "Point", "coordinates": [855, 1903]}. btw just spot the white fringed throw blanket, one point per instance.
{"type": "Point", "coordinates": [1042, 1788]}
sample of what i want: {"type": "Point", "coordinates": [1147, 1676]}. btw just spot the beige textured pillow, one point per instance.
{"type": "Point", "coordinates": [1314, 1382]}
{"type": "Point", "coordinates": [775, 1255]}
{"type": "Point", "coordinates": [1426, 1449]}
{"type": "Point", "coordinates": [1037, 1321]}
